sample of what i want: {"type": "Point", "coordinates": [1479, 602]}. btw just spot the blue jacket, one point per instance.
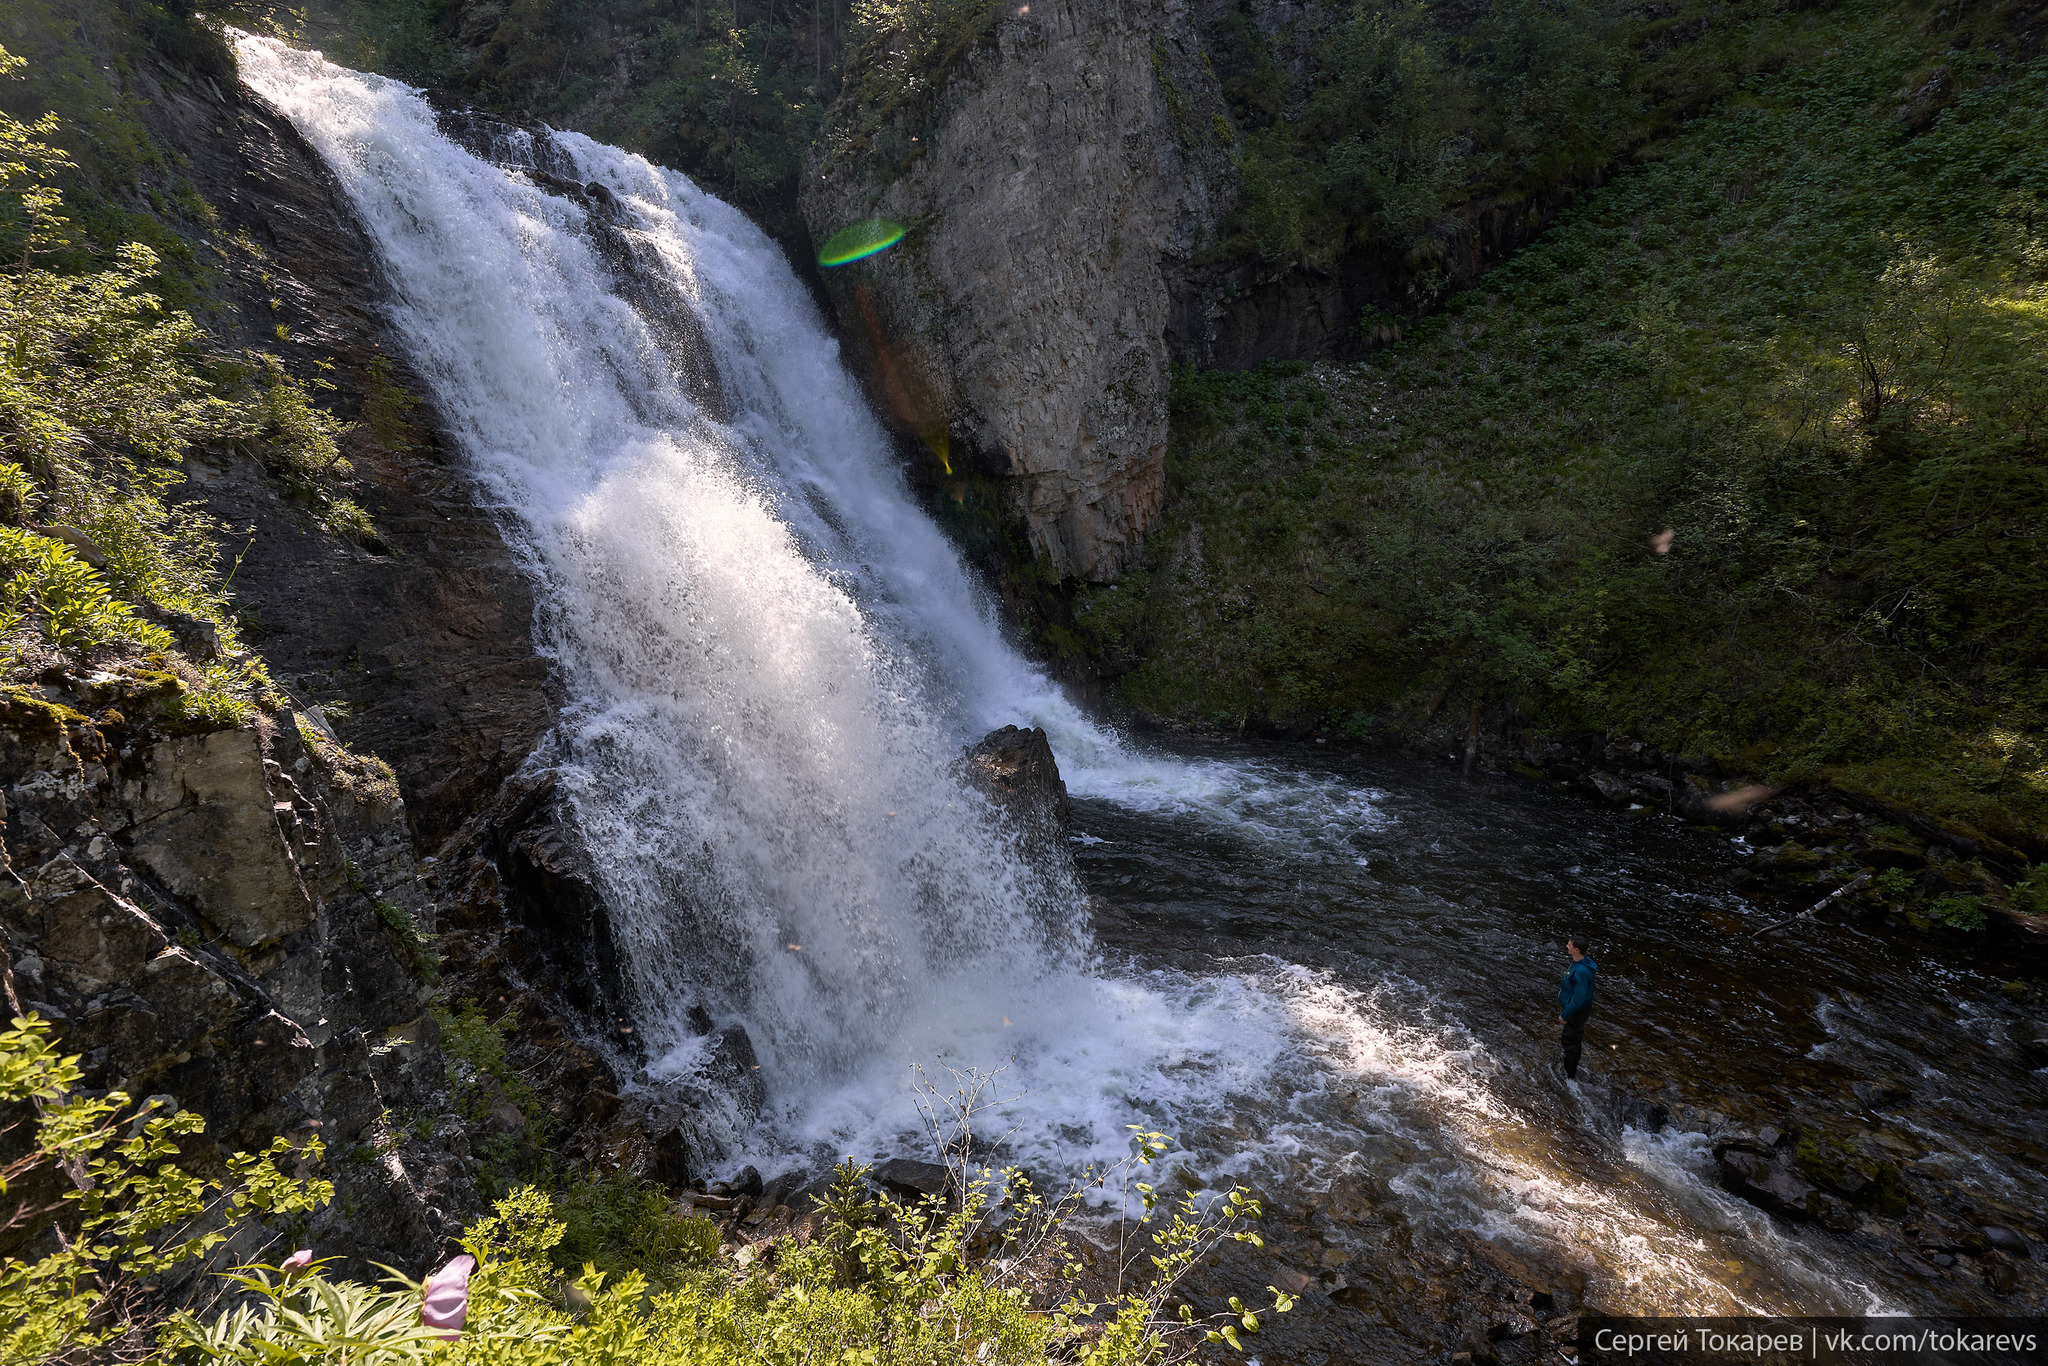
{"type": "Point", "coordinates": [1575, 992]}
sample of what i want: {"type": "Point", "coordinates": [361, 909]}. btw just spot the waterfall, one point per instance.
{"type": "Point", "coordinates": [740, 605]}
{"type": "Point", "coordinates": [771, 656]}
{"type": "Point", "coordinates": [771, 659]}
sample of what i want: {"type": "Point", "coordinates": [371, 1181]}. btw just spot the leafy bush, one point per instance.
{"type": "Point", "coordinates": [1958, 912]}
{"type": "Point", "coordinates": [102, 393]}
{"type": "Point", "coordinates": [871, 1281]}
{"type": "Point", "coordinates": [474, 1045]}
{"type": "Point", "coordinates": [71, 599]}
{"type": "Point", "coordinates": [124, 1210]}
{"type": "Point", "coordinates": [2030, 893]}
{"type": "Point", "coordinates": [602, 1270]}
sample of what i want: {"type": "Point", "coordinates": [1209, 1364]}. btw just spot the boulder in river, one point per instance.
{"type": "Point", "coordinates": [1014, 767]}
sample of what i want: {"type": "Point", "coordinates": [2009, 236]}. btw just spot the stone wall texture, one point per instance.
{"type": "Point", "coordinates": [1019, 329]}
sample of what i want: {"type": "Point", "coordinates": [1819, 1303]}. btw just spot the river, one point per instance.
{"type": "Point", "coordinates": [1420, 942]}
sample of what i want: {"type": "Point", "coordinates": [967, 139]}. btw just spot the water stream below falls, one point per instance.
{"type": "Point", "coordinates": [1330, 980]}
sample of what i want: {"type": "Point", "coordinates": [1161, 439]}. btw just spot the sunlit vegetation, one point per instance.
{"type": "Point", "coordinates": [103, 391]}
{"type": "Point", "coordinates": [578, 1268]}
{"type": "Point", "coordinates": [1744, 456]}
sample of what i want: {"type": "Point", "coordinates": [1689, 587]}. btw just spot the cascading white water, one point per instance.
{"type": "Point", "coordinates": [772, 658]}
{"type": "Point", "coordinates": [761, 766]}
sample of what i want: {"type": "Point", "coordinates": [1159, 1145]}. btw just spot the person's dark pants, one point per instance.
{"type": "Point", "coordinates": [1574, 1038]}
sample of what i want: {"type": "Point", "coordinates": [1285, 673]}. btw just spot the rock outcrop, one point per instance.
{"type": "Point", "coordinates": [203, 918]}
{"type": "Point", "coordinates": [1015, 767]}
{"type": "Point", "coordinates": [1019, 329]}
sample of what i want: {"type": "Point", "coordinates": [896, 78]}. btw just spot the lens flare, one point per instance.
{"type": "Point", "coordinates": [860, 241]}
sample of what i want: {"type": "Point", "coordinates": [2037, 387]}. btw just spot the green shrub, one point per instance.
{"type": "Point", "coordinates": [102, 392]}
{"type": "Point", "coordinates": [68, 596]}
{"type": "Point", "coordinates": [125, 1211]}
{"type": "Point", "coordinates": [2030, 893]}
{"type": "Point", "coordinates": [1959, 912]}
{"type": "Point", "coordinates": [880, 1283]}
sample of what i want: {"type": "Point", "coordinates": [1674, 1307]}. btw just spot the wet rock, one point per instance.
{"type": "Point", "coordinates": [669, 1159]}
{"type": "Point", "coordinates": [1015, 768]}
{"type": "Point", "coordinates": [1834, 1214]}
{"type": "Point", "coordinates": [781, 1190]}
{"type": "Point", "coordinates": [733, 1067]}
{"type": "Point", "coordinates": [909, 1176]}
{"type": "Point", "coordinates": [2006, 1240]}
{"type": "Point", "coordinates": [1638, 1112]}
{"type": "Point", "coordinates": [1612, 787]}
{"type": "Point", "coordinates": [2002, 1277]}
{"type": "Point", "coordinates": [1882, 1093]}
{"type": "Point", "coordinates": [1915, 1265]}
{"type": "Point", "coordinates": [1292, 1281]}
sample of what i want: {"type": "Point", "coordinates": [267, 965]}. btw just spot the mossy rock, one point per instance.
{"type": "Point", "coordinates": [33, 717]}
{"type": "Point", "coordinates": [1827, 1160]}
{"type": "Point", "coordinates": [137, 689]}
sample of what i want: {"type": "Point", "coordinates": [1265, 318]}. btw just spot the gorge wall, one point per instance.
{"type": "Point", "coordinates": [1020, 329]}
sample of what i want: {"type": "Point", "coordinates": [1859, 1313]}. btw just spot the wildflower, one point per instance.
{"type": "Point", "coordinates": [446, 1301]}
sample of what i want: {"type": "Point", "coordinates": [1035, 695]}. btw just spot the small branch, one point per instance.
{"type": "Point", "coordinates": [1831, 897]}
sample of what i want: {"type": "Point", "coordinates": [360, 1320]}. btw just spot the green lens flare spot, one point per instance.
{"type": "Point", "coordinates": [860, 241]}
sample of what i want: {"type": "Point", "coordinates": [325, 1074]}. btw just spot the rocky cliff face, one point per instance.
{"type": "Point", "coordinates": [204, 917]}
{"type": "Point", "coordinates": [1020, 328]}
{"type": "Point", "coordinates": [1069, 198]}
{"type": "Point", "coordinates": [425, 639]}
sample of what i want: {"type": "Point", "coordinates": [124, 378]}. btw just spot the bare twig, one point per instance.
{"type": "Point", "coordinates": [1831, 897]}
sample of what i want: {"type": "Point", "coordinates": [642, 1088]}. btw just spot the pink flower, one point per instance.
{"type": "Point", "coordinates": [297, 1262]}
{"type": "Point", "coordinates": [446, 1302]}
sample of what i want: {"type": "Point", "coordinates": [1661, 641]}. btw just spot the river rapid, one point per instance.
{"type": "Point", "coordinates": [1330, 979]}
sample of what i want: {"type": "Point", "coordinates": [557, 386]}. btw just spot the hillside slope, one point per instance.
{"type": "Point", "coordinates": [1743, 458]}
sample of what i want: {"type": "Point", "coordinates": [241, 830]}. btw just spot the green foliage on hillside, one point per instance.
{"type": "Point", "coordinates": [1810, 342]}
{"type": "Point", "coordinates": [730, 92]}
{"type": "Point", "coordinates": [103, 390]}
{"type": "Point", "coordinates": [1369, 128]}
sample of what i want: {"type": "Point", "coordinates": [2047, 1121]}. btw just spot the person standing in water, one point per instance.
{"type": "Point", "coordinates": [1575, 1003]}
